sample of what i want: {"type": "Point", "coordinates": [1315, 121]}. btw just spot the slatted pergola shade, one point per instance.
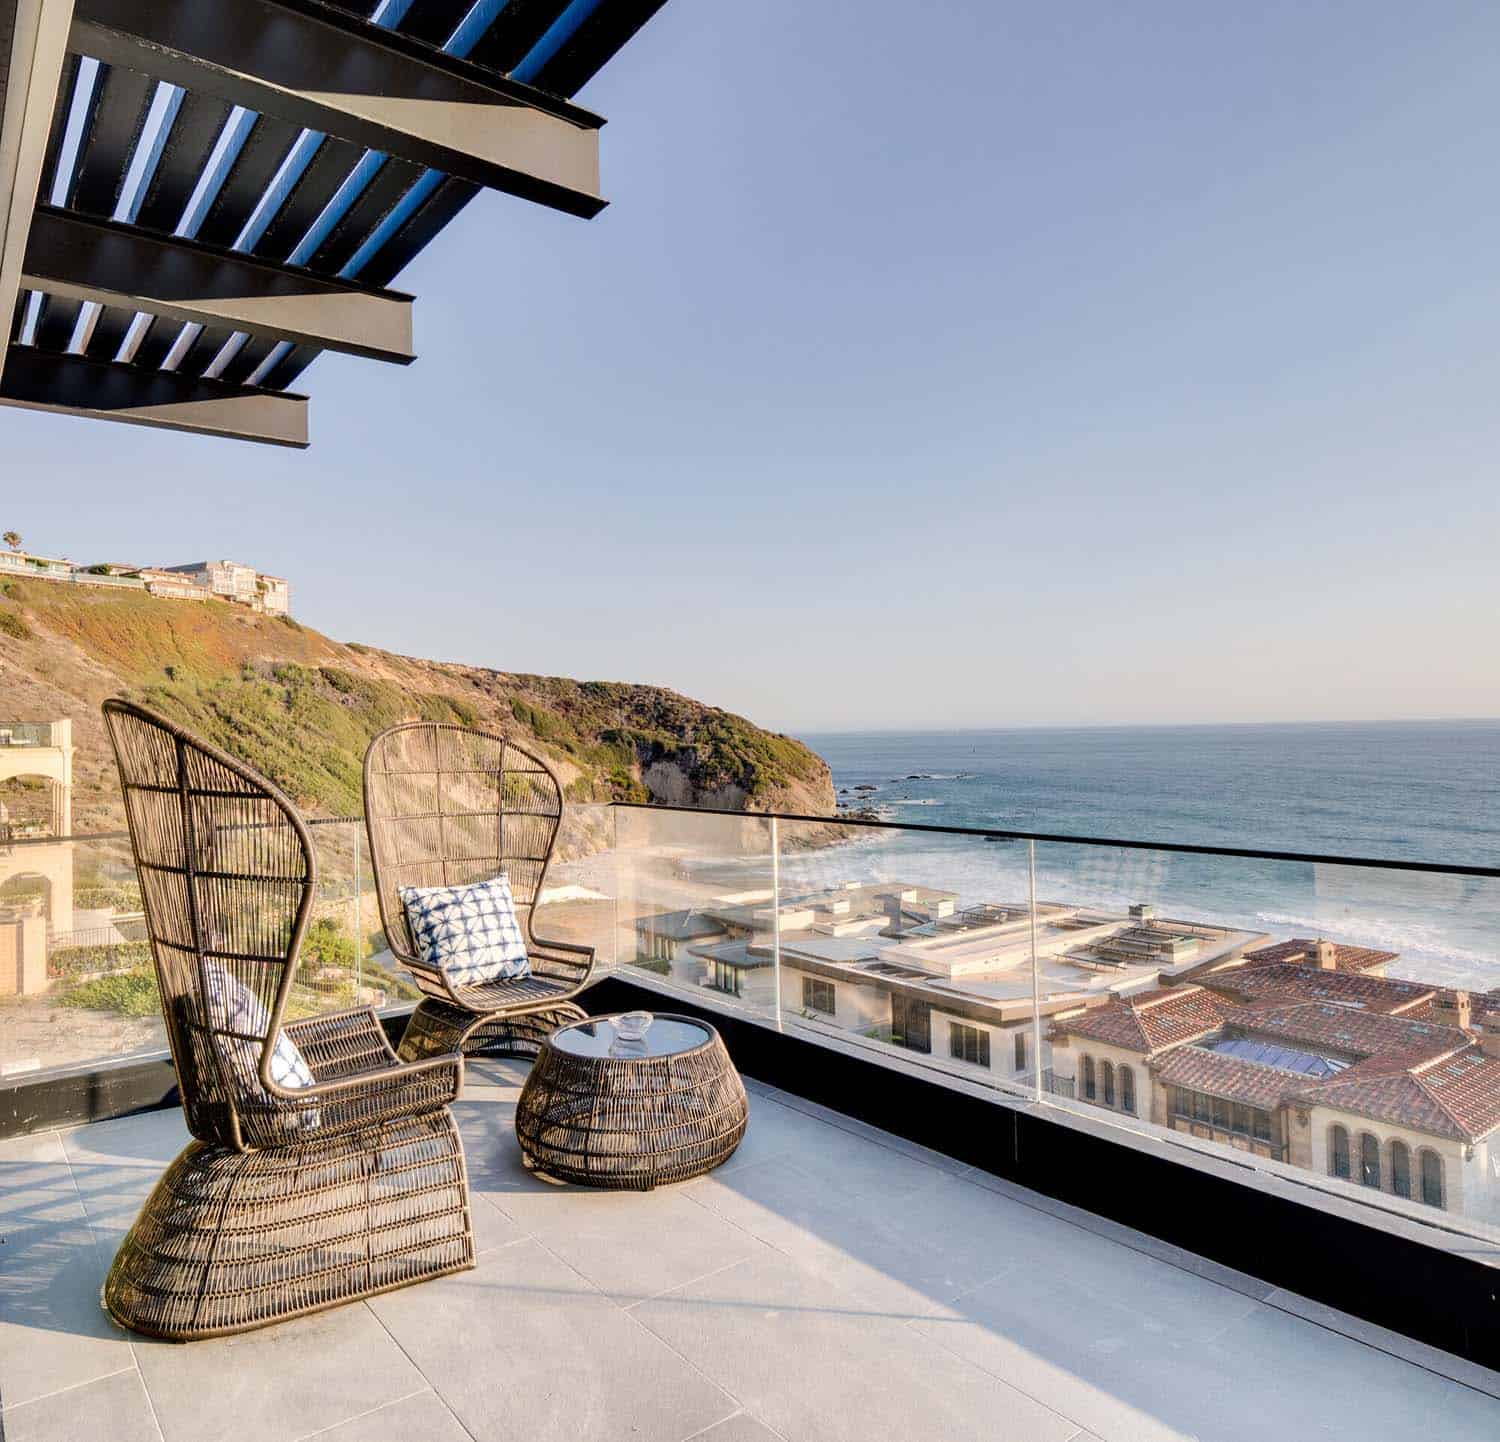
{"type": "Point", "coordinates": [199, 196]}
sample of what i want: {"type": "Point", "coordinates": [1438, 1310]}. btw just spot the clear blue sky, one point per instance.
{"type": "Point", "coordinates": [942, 364]}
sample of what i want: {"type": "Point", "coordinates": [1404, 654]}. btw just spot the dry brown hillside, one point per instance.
{"type": "Point", "coordinates": [302, 707]}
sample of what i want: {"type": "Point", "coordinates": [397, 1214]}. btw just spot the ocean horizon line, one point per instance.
{"type": "Point", "coordinates": [1014, 728]}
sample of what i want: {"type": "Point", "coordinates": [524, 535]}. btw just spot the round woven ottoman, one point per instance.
{"type": "Point", "coordinates": [604, 1111]}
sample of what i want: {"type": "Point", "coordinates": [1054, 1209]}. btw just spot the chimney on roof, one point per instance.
{"type": "Point", "coordinates": [1453, 1008]}
{"type": "Point", "coordinates": [1325, 956]}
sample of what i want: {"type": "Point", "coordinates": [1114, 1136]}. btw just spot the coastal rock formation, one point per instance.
{"type": "Point", "coordinates": [301, 707]}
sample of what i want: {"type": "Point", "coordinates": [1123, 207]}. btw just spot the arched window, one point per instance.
{"type": "Point", "coordinates": [1127, 1090]}
{"type": "Point", "coordinates": [1109, 1084]}
{"type": "Point", "coordinates": [1338, 1152]}
{"type": "Point", "coordinates": [1432, 1178]}
{"type": "Point", "coordinates": [1088, 1078]}
{"type": "Point", "coordinates": [1401, 1169]}
{"type": "Point", "coordinates": [1369, 1161]}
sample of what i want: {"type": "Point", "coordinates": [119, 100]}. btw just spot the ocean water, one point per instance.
{"type": "Point", "coordinates": [1412, 791]}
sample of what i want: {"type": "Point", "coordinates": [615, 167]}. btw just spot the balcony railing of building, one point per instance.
{"type": "Point", "coordinates": [1323, 1029]}
{"type": "Point", "coordinates": [26, 733]}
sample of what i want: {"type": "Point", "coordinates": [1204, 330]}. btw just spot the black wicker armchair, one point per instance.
{"type": "Point", "coordinates": [447, 806]}
{"type": "Point", "coordinates": [323, 1168]}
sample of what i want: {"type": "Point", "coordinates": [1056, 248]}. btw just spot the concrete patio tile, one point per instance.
{"type": "Point", "coordinates": [616, 1239]}
{"type": "Point", "coordinates": [1128, 1236]}
{"type": "Point", "coordinates": [1326, 1386]}
{"type": "Point", "coordinates": [114, 1407]}
{"type": "Point", "coordinates": [53, 1331]}
{"type": "Point", "coordinates": [36, 1182]}
{"type": "Point", "coordinates": [774, 1131]}
{"type": "Point", "coordinates": [145, 1139]}
{"type": "Point", "coordinates": [811, 1362]}
{"type": "Point", "coordinates": [524, 1347]}
{"type": "Point", "coordinates": [1106, 1335]}
{"type": "Point", "coordinates": [423, 1418]}
{"type": "Point", "coordinates": [492, 1227]}
{"type": "Point", "coordinates": [941, 1160]}
{"type": "Point", "coordinates": [116, 1163]}
{"type": "Point", "coordinates": [485, 1122]}
{"type": "Point", "coordinates": [1445, 1364]}
{"type": "Point", "coordinates": [742, 1428]}
{"type": "Point", "coordinates": [852, 1165]}
{"type": "Point", "coordinates": [278, 1383]}
{"type": "Point", "coordinates": [933, 1245]}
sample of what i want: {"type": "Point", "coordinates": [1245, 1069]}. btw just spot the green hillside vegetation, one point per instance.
{"type": "Point", "coordinates": [301, 707]}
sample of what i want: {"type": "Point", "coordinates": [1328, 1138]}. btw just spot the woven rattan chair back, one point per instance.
{"type": "Point", "coordinates": [445, 806]}
{"type": "Point", "coordinates": [227, 874]}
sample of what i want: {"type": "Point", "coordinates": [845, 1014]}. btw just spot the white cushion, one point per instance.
{"type": "Point", "coordinates": [471, 933]}
{"type": "Point", "coordinates": [232, 1006]}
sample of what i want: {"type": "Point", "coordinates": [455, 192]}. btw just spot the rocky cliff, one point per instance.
{"type": "Point", "coordinates": [301, 707]}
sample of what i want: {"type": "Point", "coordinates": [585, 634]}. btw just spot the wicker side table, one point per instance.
{"type": "Point", "coordinates": [603, 1112]}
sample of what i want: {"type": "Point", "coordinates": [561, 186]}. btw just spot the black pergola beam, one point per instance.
{"type": "Point", "coordinates": [39, 380]}
{"type": "Point", "coordinates": [134, 269]}
{"type": "Point", "coordinates": [327, 70]}
{"type": "Point", "coordinates": [33, 54]}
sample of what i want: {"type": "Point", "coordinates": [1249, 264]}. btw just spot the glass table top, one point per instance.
{"type": "Point", "coordinates": [598, 1037]}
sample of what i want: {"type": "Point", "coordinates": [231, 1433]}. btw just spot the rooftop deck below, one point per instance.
{"type": "Point", "coordinates": [830, 1282]}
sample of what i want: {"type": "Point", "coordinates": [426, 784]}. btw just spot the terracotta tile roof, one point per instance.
{"type": "Point", "coordinates": [1300, 950]}
{"type": "Point", "coordinates": [1483, 1004]}
{"type": "Point", "coordinates": [1290, 981]}
{"type": "Point", "coordinates": [1455, 1096]}
{"type": "Point", "coordinates": [1347, 1030]}
{"type": "Point", "coordinates": [1229, 1077]}
{"type": "Point", "coordinates": [1148, 1021]}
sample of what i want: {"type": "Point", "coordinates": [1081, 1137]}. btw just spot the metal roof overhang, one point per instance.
{"type": "Point", "coordinates": [197, 197]}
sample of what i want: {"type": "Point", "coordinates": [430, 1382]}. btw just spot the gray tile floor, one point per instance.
{"type": "Point", "coordinates": [830, 1282]}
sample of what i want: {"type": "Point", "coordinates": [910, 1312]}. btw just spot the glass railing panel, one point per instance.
{"type": "Point", "coordinates": [76, 977]}
{"type": "Point", "coordinates": [1337, 1022]}
{"type": "Point", "coordinates": [577, 901]}
{"type": "Point", "coordinates": [77, 982]}
{"type": "Point", "coordinates": [695, 907]}
{"type": "Point", "coordinates": [344, 960]}
{"type": "Point", "coordinates": [916, 945]}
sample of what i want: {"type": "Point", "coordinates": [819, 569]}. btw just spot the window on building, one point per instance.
{"type": "Point", "coordinates": [1233, 1117]}
{"type": "Point", "coordinates": [1109, 1083]}
{"type": "Point", "coordinates": [1127, 1090]}
{"type": "Point", "coordinates": [968, 1043]}
{"type": "Point", "coordinates": [817, 995]}
{"type": "Point", "coordinates": [1369, 1161]}
{"type": "Point", "coordinates": [1089, 1090]}
{"type": "Point", "coordinates": [723, 977]}
{"type": "Point", "coordinates": [1020, 1051]}
{"type": "Point", "coordinates": [1401, 1169]}
{"type": "Point", "coordinates": [1432, 1178]}
{"type": "Point", "coordinates": [1338, 1152]}
{"type": "Point", "coordinates": [911, 1023]}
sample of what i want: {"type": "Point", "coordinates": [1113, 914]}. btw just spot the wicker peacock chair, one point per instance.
{"type": "Point", "coordinates": [446, 806]}
{"type": "Point", "coordinates": [324, 1169]}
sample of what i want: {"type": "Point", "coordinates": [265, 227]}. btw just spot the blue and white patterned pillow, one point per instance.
{"type": "Point", "coordinates": [470, 933]}
{"type": "Point", "coordinates": [232, 1006]}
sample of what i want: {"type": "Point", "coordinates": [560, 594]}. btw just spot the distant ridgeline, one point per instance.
{"type": "Point", "coordinates": [301, 707]}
